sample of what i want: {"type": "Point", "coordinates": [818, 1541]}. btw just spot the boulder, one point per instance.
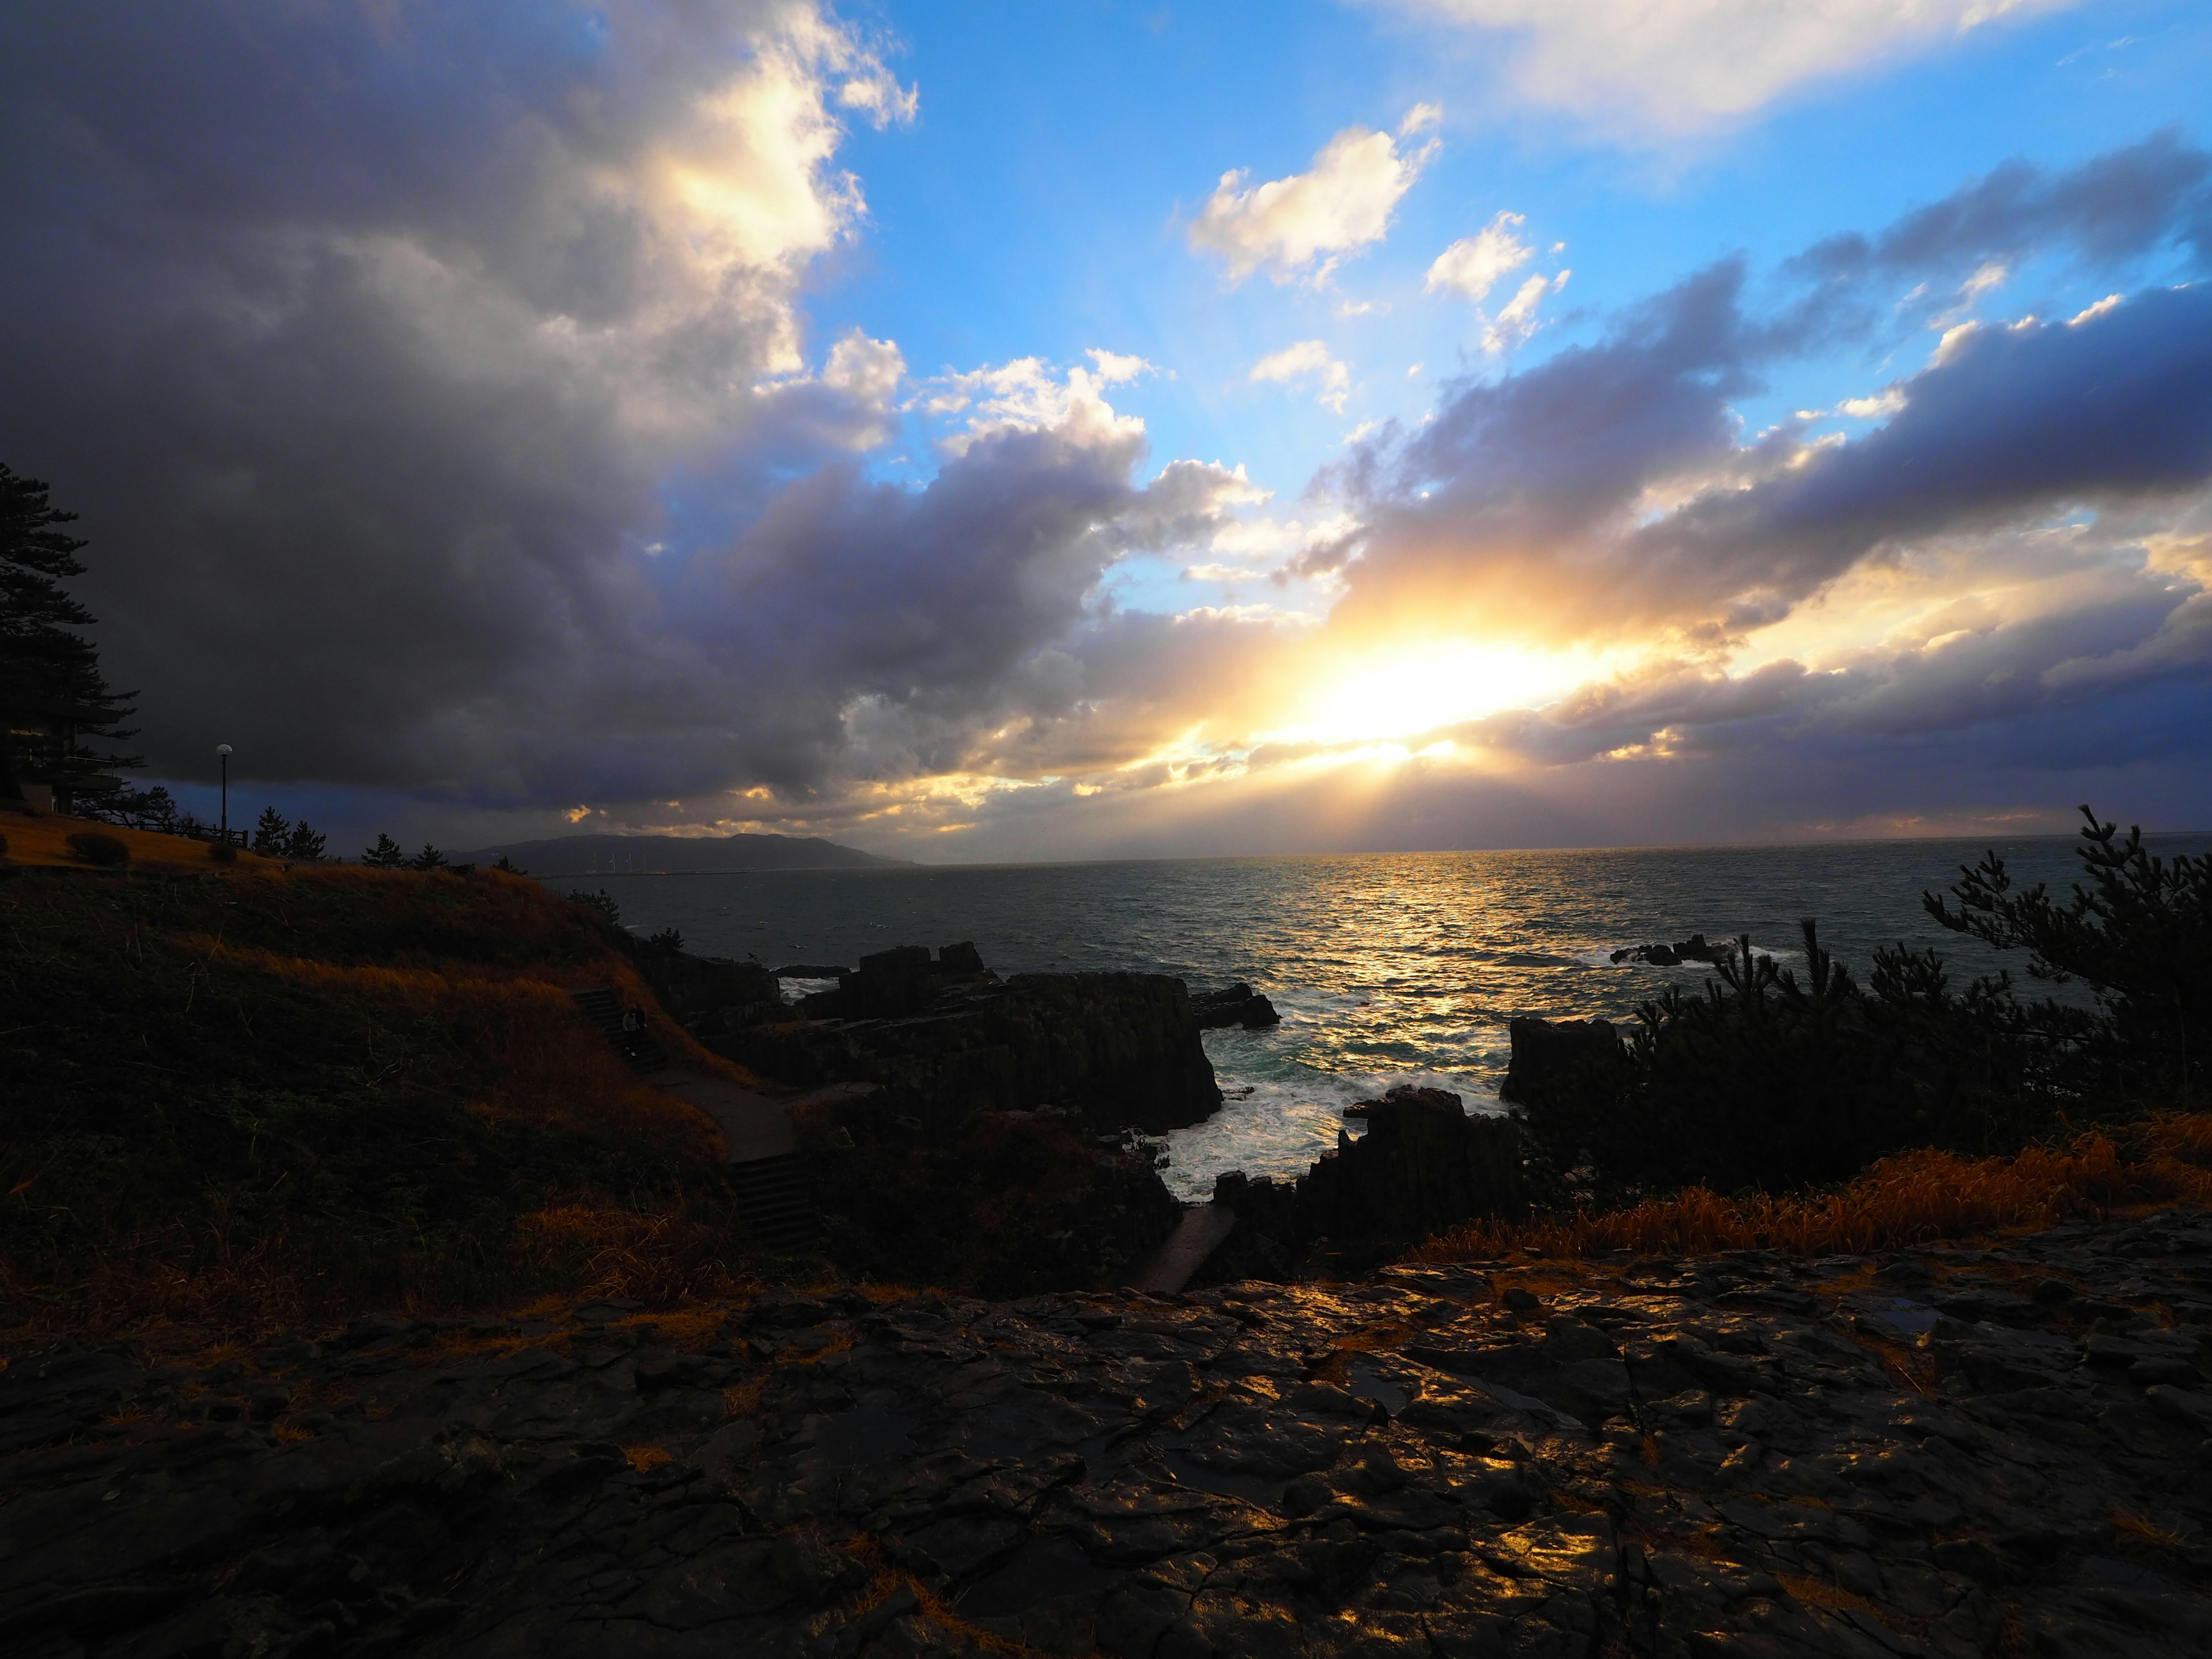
{"type": "Point", "coordinates": [1235, 1004]}
{"type": "Point", "coordinates": [1692, 949]}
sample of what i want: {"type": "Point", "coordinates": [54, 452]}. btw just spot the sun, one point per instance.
{"type": "Point", "coordinates": [1398, 691]}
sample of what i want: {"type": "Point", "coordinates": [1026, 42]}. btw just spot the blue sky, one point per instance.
{"type": "Point", "coordinates": [688, 414]}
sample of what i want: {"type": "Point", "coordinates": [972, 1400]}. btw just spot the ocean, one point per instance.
{"type": "Point", "coordinates": [1385, 968]}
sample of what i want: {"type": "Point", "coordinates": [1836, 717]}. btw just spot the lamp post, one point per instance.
{"type": "Point", "coordinates": [222, 756]}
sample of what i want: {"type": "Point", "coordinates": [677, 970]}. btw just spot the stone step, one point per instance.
{"type": "Point", "coordinates": [640, 1050]}
{"type": "Point", "coordinates": [776, 1202]}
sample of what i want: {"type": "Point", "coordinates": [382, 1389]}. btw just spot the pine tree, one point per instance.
{"type": "Point", "coordinates": [302, 845]}
{"type": "Point", "coordinates": [154, 809]}
{"type": "Point", "coordinates": [428, 859]}
{"type": "Point", "coordinates": [42, 658]}
{"type": "Point", "coordinates": [270, 833]}
{"type": "Point", "coordinates": [385, 855]}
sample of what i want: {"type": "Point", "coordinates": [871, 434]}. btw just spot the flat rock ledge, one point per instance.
{"type": "Point", "coordinates": [1998, 1451]}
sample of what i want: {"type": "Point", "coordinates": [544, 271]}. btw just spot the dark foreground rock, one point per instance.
{"type": "Point", "coordinates": [951, 1040]}
{"type": "Point", "coordinates": [1949, 1452]}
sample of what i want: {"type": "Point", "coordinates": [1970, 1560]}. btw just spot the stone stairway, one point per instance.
{"type": "Point", "coordinates": [774, 1198]}
{"type": "Point", "coordinates": [638, 1049]}
{"type": "Point", "coordinates": [776, 1203]}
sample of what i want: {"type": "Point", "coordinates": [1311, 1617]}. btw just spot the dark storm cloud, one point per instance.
{"type": "Point", "coordinates": [429, 380]}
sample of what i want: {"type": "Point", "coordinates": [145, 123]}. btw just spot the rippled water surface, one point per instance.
{"type": "Point", "coordinates": [1385, 967]}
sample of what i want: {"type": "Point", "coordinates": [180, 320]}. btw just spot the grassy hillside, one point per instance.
{"type": "Point", "coordinates": [258, 1095]}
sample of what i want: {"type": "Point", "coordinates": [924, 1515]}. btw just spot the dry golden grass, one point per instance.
{"type": "Point", "coordinates": [2147, 1539]}
{"type": "Point", "coordinates": [44, 840]}
{"type": "Point", "coordinates": [608, 1252]}
{"type": "Point", "coordinates": [1914, 1198]}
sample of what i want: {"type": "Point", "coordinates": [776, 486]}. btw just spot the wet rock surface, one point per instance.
{"type": "Point", "coordinates": [1996, 1451]}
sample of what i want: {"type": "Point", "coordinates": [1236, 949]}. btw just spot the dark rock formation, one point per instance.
{"type": "Point", "coordinates": [1237, 1005]}
{"type": "Point", "coordinates": [709, 995]}
{"type": "Point", "coordinates": [1692, 949]}
{"type": "Point", "coordinates": [898, 983]}
{"type": "Point", "coordinates": [1734, 1454]}
{"type": "Point", "coordinates": [1551, 1055]}
{"type": "Point", "coordinates": [952, 1039]}
{"type": "Point", "coordinates": [1424, 1165]}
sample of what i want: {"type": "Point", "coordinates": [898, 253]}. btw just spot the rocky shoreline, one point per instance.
{"type": "Point", "coordinates": [1996, 1449]}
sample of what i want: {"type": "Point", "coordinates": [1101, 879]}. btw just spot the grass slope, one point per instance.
{"type": "Point", "coordinates": [253, 1096]}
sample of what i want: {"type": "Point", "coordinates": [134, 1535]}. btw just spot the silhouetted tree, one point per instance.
{"type": "Point", "coordinates": [2138, 936]}
{"type": "Point", "coordinates": [428, 859]}
{"type": "Point", "coordinates": [270, 831]}
{"type": "Point", "coordinates": [303, 844]}
{"type": "Point", "coordinates": [509, 865]}
{"type": "Point", "coordinates": [42, 657]}
{"type": "Point", "coordinates": [387, 854]}
{"type": "Point", "coordinates": [154, 809]}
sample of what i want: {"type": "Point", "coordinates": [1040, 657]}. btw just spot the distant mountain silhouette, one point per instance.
{"type": "Point", "coordinates": [624, 855]}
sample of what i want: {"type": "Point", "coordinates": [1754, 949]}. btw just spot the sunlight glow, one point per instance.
{"type": "Point", "coordinates": [1408, 690]}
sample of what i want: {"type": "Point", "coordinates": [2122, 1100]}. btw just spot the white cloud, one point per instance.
{"type": "Point", "coordinates": [1025, 394]}
{"type": "Point", "coordinates": [1868, 409]}
{"type": "Point", "coordinates": [1117, 367]}
{"type": "Point", "coordinates": [2090, 313]}
{"type": "Point", "coordinates": [1675, 66]}
{"type": "Point", "coordinates": [1307, 358]}
{"type": "Point", "coordinates": [1301, 226]}
{"type": "Point", "coordinates": [1474, 265]}
{"type": "Point", "coordinates": [865, 369]}
{"type": "Point", "coordinates": [1518, 321]}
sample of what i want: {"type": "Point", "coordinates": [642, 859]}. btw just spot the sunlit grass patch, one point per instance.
{"type": "Point", "coordinates": [1914, 1198]}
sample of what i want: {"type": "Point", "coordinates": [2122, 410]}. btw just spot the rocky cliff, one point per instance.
{"type": "Point", "coordinates": [953, 1039]}
{"type": "Point", "coordinates": [1954, 1452]}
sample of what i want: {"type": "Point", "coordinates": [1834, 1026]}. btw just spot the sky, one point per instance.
{"type": "Point", "coordinates": [991, 431]}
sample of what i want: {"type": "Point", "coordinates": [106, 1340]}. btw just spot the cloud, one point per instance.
{"type": "Point", "coordinates": [2115, 207]}
{"type": "Point", "coordinates": [1606, 493]}
{"type": "Point", "coordinates": [1302, 226]}
{"type": "Point", "coordinates": [439, 403]}
{"type": "Point", "coordinates": [1472, 265]}
{"type": "Point", "coordinates": [441, 400]}
{"type": "Point", "coordinates": [1516, 320]}
{"type": "Point", "coordinates": [1667, 67]}
{"type": "Point", "coordinates": [1307, 360]}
